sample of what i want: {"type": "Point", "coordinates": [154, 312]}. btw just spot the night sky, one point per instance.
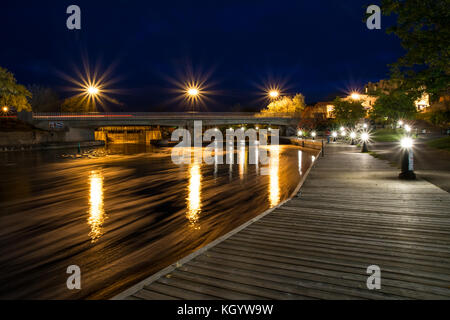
{"type": "Point", "coordinates": [320, 48]}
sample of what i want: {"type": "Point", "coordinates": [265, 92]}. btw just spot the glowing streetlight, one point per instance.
{"type": "Point", "coordinates": [92, 90]}
{"type": "Point", "coordinates": [342, 129]}
{"type": "Point", "coordinates": [273, 94]}
{"type": "Point", "coordinates": [5, 109]}
{"type": "Point", "coordinates": [365, 125]}
{"type": "Point", "coordinates": [406, 143]}
{"type": "Point", "coordinates": [313, 135]}
{"type": "Point", "coordinates": [193, 92]}
{"type": "Point", "coordinates": [407, 160]}
{"type": "Point", "coordinates": [334, 135]}
{"type": "Point", "coordinates": [299, 133]}
{"type": "Point", "coordinates": [407, 128]}
{"type": "Point", "coordinates": [343, 133]}
{"type": "Point", "coordinates": [400, 123]}
{"type": "Point", "coordinates": [353, 136]}
{"type": "Point", "coordinates": [355, 96]}
{"type": "Point", "coordinates": [364, 139]}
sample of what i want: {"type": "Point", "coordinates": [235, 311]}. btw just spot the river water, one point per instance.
{"type": "Point", "coordinates": [123, 212]}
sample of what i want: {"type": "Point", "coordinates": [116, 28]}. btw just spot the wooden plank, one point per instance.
{"type": "Point", "coordinates": [319, 244]}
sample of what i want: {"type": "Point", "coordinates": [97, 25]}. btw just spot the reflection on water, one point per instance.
{"type": "Point", "coordinates": [274, 185]}
{"type": "Point", "coordinates": [300, 162]}
{"type": "Point", "coordinates": [194, 205]}
{"type": "Point", "coordinates": [96, 208]}
{"type": "Point", "coordinates": [122, 213]}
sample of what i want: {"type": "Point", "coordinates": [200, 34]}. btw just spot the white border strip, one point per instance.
{"type": "Point", "coordinates": [140, 285]}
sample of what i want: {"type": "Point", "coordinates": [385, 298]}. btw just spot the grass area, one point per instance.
{"type": "Point", "coordinates": [441, 143]}
{"type": "Point", "coordinates": [387, 135]}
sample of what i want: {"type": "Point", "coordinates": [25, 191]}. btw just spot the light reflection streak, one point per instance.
{"type": "Point", "coordinates": [300, 162]}
{"type": "Point", "coordinates": [242, 160]}
{"type": "Point", "coordinates": [96, 205]}
{"type": "Point", "coordinates": [274, 184]}
{"type": "Point", "coordinates": [194, 205]}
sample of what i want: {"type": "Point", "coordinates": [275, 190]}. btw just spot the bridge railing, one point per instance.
{"type": "Point", "coordinates": [159, 115]}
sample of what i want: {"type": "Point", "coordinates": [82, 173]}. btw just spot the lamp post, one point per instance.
{"type": "Point", "coordinates": [364, 139]}
{"type": "Point", "coordinates": [352, 137]}
{"type": "Point", "coordinates": [313, 135]}
{"type": "Point", "coordinates": [407, 160]}
{"type": "Point", "coordinates": [300, 133]}
{"type": "Point", "coordinates": [5, 109]}
{"type": "Point", "coordinates": [334, 134]}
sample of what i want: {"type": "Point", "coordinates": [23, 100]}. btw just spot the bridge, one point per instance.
{"type": "Point", "coordinates": [82, 126]}
{"type": "Point", "coordinates": [96, 120]}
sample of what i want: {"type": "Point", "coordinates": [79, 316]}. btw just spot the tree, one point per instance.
{"type": "Point", "coordinates": [394, 106]}
{"type": "Point", "coordinates": [43, 99]}
{"type": "Point", "coordinates": [13, 94]}
{"type": "Point", "coordinates": [287, 105]}
{"type": "Point", "coordinates": [424, 29]}
{"type": "Point", "coordinates": [348, 112]}
{"type": "Point", "coordinates": [78, 104]}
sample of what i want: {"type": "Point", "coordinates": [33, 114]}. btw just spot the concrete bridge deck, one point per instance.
{"type": "Point", "coordinates": [93, 120]}
{"type": "Point", "coordinates": [352, 212]}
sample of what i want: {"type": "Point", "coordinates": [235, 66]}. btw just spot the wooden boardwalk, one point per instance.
{"type": "Point", "coordinates": [352, 212]}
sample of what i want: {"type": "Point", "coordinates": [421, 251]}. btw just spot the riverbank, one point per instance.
{"type": "Point", "coordinates": [51, 146]}
{"type": "Point", "coordinates": [351, 213]}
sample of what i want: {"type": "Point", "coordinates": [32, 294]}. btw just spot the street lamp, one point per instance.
{"type": "Point", "coordinates": [334, 134]}
{"type": "Point", "coordinates": [273, 94]}
{"type": "Point", "coordinates": [400, 123]}
{"type": "Point", "coordinates": [407, 128]}
{"type": "Point", "coordinates": [355, 96]}
{"type": "Point", "coordinates": [407, 160]}
{"type": "Point", "coordinates": [5, 109]}
{"type": "Point", "coordinates": [313, 135]}
{"type": "Point", "coordinates": [364, 139]}
{"type": "Point", "coordinates": [365, 125]}
{"type": "Point", "coordinates": [299, 133]}
{"type": "Point", "coordinates": [92, 90]}
{"type": "Point", "coordinates": [353, 136]}
{"type": "Point", "coordinates": [193, 92]}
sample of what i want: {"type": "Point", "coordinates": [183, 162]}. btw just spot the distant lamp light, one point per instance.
{"type": "Point", "coordinates": [355, 96]}
{"type": "Point", "coordinates": [343, 133]}
{"type": "Point", "coordinates": [364, 138]}
{"type": "Point", "coordinates": [193, 92]}
{"type": "Point", "coordinates": [299, 133]}
{"type": "Point", "coordinates": [256, 128]}
{"type": "Point", "coordinates": [400, 123]}
{"type": "Point", "coordinates": [274, 94]}
{"type": "Point", "coordinates": [313, 135]}
{"type": "Point", "coordinates": [342, 129]}
{"type": "Point", "coordinates": [270, 129]}
{"type": "Point", "coordinates": [5, 109]}
{"type": "Point", "coordinates": [352, 137]}
{"type": "Point", "coordinates": [407, 128]}
{"type": "Point", "coordinates": [92, 90]}
{"type": "Point", "coordinates": [334, 134]}
{"type": "Point", "coordinates": [365, 125]}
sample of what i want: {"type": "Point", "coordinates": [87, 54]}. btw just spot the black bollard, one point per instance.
{"type": "Point", "coordinates": [407, 166]}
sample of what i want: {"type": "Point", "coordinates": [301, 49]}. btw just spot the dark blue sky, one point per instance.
{"type": "Point", "coordinates": [319, 48]}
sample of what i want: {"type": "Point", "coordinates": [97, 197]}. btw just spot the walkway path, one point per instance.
{"type": "Point", "coordinates": [352, 212]}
